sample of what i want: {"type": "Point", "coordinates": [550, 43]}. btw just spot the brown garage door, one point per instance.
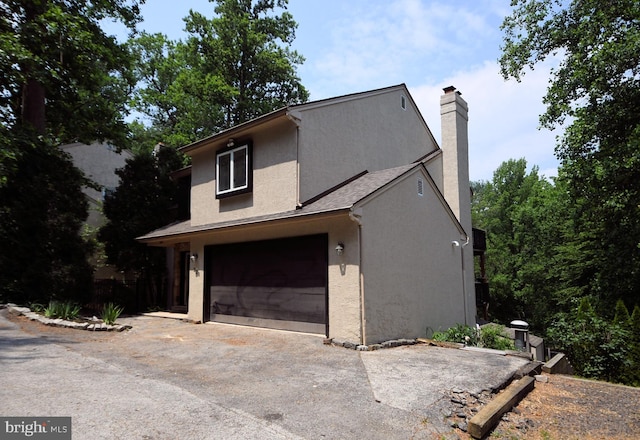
{"type": "Point", "coordinates": [273, 283]}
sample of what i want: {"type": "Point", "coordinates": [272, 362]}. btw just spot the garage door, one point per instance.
{"type": "Point", "coordinates": [274, 283]}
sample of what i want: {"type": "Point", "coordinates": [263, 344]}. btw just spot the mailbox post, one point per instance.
{"type": "Point", "coordinates": [521, 329]}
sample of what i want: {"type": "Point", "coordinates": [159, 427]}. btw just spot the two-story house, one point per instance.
{"type": "Point", "coordinates": [342, 217]}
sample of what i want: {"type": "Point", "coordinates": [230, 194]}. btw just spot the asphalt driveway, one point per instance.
{"type": "Point", "coordinates": [168, 379]}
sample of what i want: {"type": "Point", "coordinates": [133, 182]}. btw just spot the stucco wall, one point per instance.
{"type": "Point", "coordinates": [412, 273]}
{"type": "Point", "coordinates": [344, 138]}
{"type": "Point", "coordinates": [344, 287]}
{"type": "Point", "coordinates": [274, 179]}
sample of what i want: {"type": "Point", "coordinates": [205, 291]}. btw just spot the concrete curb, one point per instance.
{"type": "Point", "coordinates": [490, 415]}
{"type": "Point", "coordinates": [96, 326]}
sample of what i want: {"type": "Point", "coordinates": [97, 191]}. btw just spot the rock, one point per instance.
{"type": "Point", "coordinates": [338, 342]}
{"type": "Point", "coordinates": [541, 378]}
{"type": "Point", "coordinates": [462, 426]}
{"type": "Point", "coordinates": [362, 348]}
{"type": "Point", "coordinates": [327, 341]}
{"type": "Point", "coordinates": [349, 345]}
{"type": "Point", "coordinates": [458, 401]}
{"type": "Point", "coordinates": [375, 347]}
{"type": "Point", "coordinates": [457, 390]}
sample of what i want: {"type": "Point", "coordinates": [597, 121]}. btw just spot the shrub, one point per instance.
{"type": "Point", "coordinates": [110, 312]}
{"type": "Point", "coordinates": [64, 310]}
{"type": "Point", "coordinates": [494, 336]}
{"type": "Point", "coordinates": [460, 333]}
{"type": "Point", "coordinates": [597, 348]}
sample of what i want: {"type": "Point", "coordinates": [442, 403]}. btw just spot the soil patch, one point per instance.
{"type": "Point", "coordinates": [568, 408]}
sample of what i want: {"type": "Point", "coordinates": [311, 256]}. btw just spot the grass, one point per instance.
{"type": "Point", "coordinates": [110, 312]}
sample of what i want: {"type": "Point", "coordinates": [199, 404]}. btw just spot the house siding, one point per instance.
{"type": "Point", "coordinates": [412, 274]}
{"type": "Point", "coordinates": [344, 138]}
{"type": "Point", "coordinates": [274, 178]}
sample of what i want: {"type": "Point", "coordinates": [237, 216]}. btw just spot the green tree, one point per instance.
{"type": "Point", "coordinates": [233, 67]}
{"type": "Point", "coordinates": [61, 75]}
{"type": "Point", "coordinates": [518, 212]}
{"type": "Point", "coordinates": [62, 80]}
{"type": "Point", "coordinates": [41, 210]}
{"type": "Point", "coordinates": [595, 90]}
{"type": "Point", "coordinates": [141, 203]}
{"type": "Point", "coordinates": [597, 348]}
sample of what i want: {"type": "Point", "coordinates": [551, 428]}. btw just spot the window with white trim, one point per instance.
{"type": "Point", "coordinates": [233, 170]}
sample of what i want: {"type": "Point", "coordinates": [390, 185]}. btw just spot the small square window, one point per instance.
{"type": "Point", "coordinates": [233, 170]}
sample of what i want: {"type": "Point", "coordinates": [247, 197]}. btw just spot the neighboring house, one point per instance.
{"type": "Point", "coordinates": [99, 162]}
{"type": "Point", "coordinates": [341, 217]}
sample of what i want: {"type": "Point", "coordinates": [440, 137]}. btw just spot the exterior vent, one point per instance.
{"type": "Point", "coordinates": [403, 102]}
{"type": "Point", "coordinates": [420, 187]}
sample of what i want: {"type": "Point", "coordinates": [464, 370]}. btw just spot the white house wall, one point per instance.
{"type": "Point", "coordinates": [274, 178]}
{"type": "Point", "coordinates": [412, 273]}
{"type": "Point", "coordinates": [345, 137]}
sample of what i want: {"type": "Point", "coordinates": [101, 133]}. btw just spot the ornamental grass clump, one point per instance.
{"type": "Point", "coordinates": [64, 310]}
{"type": "Point", "coordinates": [111, 312]}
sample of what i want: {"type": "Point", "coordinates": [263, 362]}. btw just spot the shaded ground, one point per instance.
{"type": "Point", "coordinates": [163, 373]}
{"type": "Point", "coordinates": [185, 356]}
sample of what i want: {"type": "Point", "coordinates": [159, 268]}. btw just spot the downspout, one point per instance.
{"type": "Point", "coordinates": [464, 282]}
{"type": "Point", "coordinates": [356, 218]}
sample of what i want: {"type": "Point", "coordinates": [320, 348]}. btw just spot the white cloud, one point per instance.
{"type": "Point", "coordinates": [503, 118]}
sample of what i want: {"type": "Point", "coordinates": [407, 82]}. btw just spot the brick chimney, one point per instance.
{"type": "Point", "coordinates": [455, 153]}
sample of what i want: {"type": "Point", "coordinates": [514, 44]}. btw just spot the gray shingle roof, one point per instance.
{"type": "Point", "coordinates": [342, 198]}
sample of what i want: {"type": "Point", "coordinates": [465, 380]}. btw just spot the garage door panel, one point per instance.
{"type": "Point", "coordinates": [293, 304]}
{"type": "Point", "coordinates": [281, 280]}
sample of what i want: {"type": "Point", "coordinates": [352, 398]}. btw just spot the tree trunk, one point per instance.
{"type": "Point", "coordinates": [33, 105]}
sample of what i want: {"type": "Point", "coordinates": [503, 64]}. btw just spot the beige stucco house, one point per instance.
{"type": "Point", "coordinates": [342, 217]}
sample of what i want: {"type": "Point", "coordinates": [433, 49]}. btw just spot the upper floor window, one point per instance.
{"type": "Point", "coordinates": [233, 170]}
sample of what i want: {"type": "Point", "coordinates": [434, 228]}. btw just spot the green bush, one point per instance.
{"type": "Point", "coordinates": [462, 334]}
{"type": "Point", "coordinates": [490, 336]}
{"type": "Point", "coordinates": [494, 336]}
{"type": "Point", "coordinates": [597, 348]}
{"type": "Point", "coordinates": [64, 310]}
{"type": "Point", "coordinates": [110, 312]}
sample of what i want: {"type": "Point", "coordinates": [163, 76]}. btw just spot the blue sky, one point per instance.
{"type": "Point", "coordinates": [356, 45]}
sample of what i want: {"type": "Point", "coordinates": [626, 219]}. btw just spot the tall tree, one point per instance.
{"type": "Point", "coordinates": [141, 203]}
{"type": "Point", "coordinates": [519, 212]}
{"type": "Point", "coordinates": [233, 67]}
{"type": "Point", "coordinates": [42, 207]}
{"type": "Point", "coordinates": [61, 74]}
{"type": "Point", "coordinates": [596, 91]}
{"type": "Point", "coordinates": [62, 80]}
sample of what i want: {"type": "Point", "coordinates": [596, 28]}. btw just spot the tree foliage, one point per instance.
{"type": "Point", "coordinates": [596, 91]}
{"type": "Point", "coordinates": [62, 80]}
{"type": "Point", "coordinates": [516, 211]}
{"type": "Point", "coordinates": [42, 208]}
{"type": "Point", "coordinates": [61, 74]}
{"type": "Point", "coordinates": [233, 67]}
{"type": "Point", "coordinates": [141, 203]}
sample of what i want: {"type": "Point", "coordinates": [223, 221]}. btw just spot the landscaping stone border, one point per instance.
{"type": "Point", "coordinates": [353, 346]}
{"type": "Point", "coordinates": [91, 326]}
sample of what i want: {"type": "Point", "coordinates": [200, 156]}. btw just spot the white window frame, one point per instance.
{"type": "Point", "coordinates": [247, 169]}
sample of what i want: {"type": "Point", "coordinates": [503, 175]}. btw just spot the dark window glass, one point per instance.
{"type": "Point", "coordinates": [224, 172]}
{"type": "Point", "coordinates": [240, 168]}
